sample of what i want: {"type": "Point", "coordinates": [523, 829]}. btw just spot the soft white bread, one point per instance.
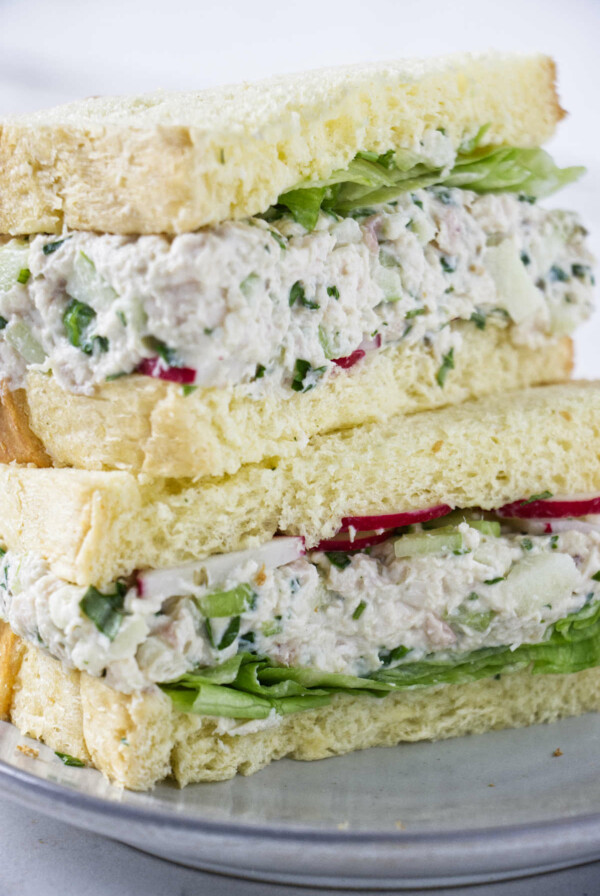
{"type": "Point", "coordinates": [173, 162]}
{"type": "Point", "coordinates": [145, 425]}
{"type": "Point", "coordinates": [93, 526]}
{"type": "Point", "coordinates": [138, 740]}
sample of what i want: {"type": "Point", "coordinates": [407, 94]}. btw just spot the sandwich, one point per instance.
{"type": "Point", "coordinates": [290, 465]}
{"type": "Point", "coordinates": [197, 282]}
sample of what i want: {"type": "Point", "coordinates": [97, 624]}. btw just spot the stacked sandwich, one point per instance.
{"type": "Point", "coordinates": [280, 474]}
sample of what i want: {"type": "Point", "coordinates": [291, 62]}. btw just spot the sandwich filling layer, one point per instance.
{"type": "Point", "coordinates": [469, 599]}
{"type": "Point", "coordinates": [284, 300]}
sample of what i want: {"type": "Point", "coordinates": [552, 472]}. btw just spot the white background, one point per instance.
{"type": "Point", "coordinates": [58, 50]}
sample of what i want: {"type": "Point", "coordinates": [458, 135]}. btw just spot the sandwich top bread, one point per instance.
{"type": "Point", "coordinates": [399, 245]}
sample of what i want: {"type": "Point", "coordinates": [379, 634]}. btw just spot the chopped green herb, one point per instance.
{"type": "Point", "coordinates": [279, 239]}
{"type": "Point", "coordinates": [333, 291]}
{"type": "Point", "coordinates": [494, 581]}
{"type": "Point", "coordinates": [49, 248]}
{"type": "Point", "coordinates": [305, 376]}
{"type": "Point", "coordinates": [229, 635]}
{"type": "Point", "coordinates": [359, 610]}
{"type": "Point", "coordinates": [115, 376]}
{"type": "Point", "coordinates": [69, 760]}
{"type": "Point", "coordinates": [543, 496]}
{"type": "Point", "coordinates": [556, 273]}
{"type": "Point", "coordinates": [247, 285]}
{"type": "Point", "coordinates": [414, 312]}
{"type": "Point", "coordinates": [444, 196]}
{"type": "Point", "coordinates": [527, 544]}
{"type": "Point", "coordinates": [220, 604]}
{"type": "Point", "coordinates": [77, 320]}
{"type": "Point", "coordinates": [3, 323]}
{"type": "Point", "coordinates": [338, 558]}
{"type": "Point", "coordinates": [596, 576]}
{"type": "Point", "coordinates": [447, 365]}
{"type": "Point", "coordinates": [168, 355]}
{"type": "Point", "coordinates": [580, 270]}
{"type": "Point", "coordinates": [553, 542]}
{"type": "Point", "coordinates": [416, 201]}
{"type": "Point", "coordinates": [24, 275]}
{"type": "Point", "coordinates": [105, 610]}
{"type": "Point", "coordinates": [448, 263]}
{"type": "Point", "coordinates": [473, 596]}
{"type": "Point", "coordinates": [297, 294]}
{"type": "Point", "coordinates": [122, 318]}
{"type": "Point", "coordinates": [386, 657]}
{"type": "Point", "coordinates": [260, 371]}
{"type": "Point", "coordinates": [187, 389]}
{"type": "Point", "coordinates": [478, 319]}
{"type": "Point", "coordinates": [525, 258]}
{"type": "Point", "coordinates": [523, 197]}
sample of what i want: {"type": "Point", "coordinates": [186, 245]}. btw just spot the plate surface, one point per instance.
{"type": "Point", "coordinates": [471, 810]}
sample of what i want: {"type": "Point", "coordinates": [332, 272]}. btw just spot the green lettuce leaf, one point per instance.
{"type": "Point", "coordinates": [252, 687]}
{"type": "Point", "coordinates": [371, 179]}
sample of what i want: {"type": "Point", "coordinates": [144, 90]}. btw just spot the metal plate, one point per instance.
{"type": "Point", "coordinates": [476, 809]}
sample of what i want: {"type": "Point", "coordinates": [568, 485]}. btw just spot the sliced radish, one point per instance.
{"type": "Point", "coordinates": [551, 526]}
{"type": "Point", "coordinates": [552, 507]}
{"type": "Point", "coordinates": [350, 360]}
{"type": "Point", "coordinates": [186, 579]}
{"type": "Point", "coordinates": [155, 367]}
{"type": "Point", "coordinates": [344, 541]}
{"type": "Point", "coordinates": [392, 520]}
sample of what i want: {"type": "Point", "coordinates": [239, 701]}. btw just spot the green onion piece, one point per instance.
{"type": "Point", "coordinates": [49, 248]}
{"type": "Point", "coordinates": [187, 389]}
{"type": "Point", "coordinates": [247, 285]}
{"type": "Point", "coordinates": [556, 273]}
{"type": "Point", "coordinates": [3, 323]}
{"type": "Point", "coordinates": [359, 610]}
{"type": "Point", "coordinates": [220, 604]}
{"type": "Point", "coordinates": [305, 376]}
{"type": "Point", "coordinates": [448, 264]}
{"type": "Point", "coordinates": [414, 312]}
{"type": "Point", "coordinates": [596, 576]}
{"type": "Point", "coordinates": [478, 319]}
{"type": "Point", "coordinates": [386, 657]}
{"type": "Point", "coordinates": [77, 318]}
{"type": "Point", "coordinates": [527, 544]}
{"type": "Point", "coordinates": [297, 294]}
{"type": "Point", "coordinates": [24, 275]}
{"type": "Point", "coordinates": [494, 581]}
{"type": "Point", "coordinates": [543, 496]}
{"type": "Point", "coordinates": [333, 291]}
{"type": "Point", "coordinates": [260, 371]}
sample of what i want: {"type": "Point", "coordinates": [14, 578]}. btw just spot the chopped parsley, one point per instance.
{"type": "Point", "coordinates": [596, 576]}
{"type": "Point", "coordinates": [333, 291]}
{"type": "Point", "coordinates": [77, 320]}
{"type": "Point", "coordinates": [525, 257]}
{"type": "Point", "coordinates": [478, 319]}
{"type": "Point", "coordinates": [391, 656]}
{"type": "Point", "coordinates": [553, 542]}
{"type": "Point", "coordinates": [305, 376]}
{"type": "Point", "coordinates": [446, 365]}
{"type": "Point", "coordinates": [49, 248]}
{"type": "Point", "coordinates": [260, 371]}
{"type": "Point", "coordinates": [3, 323]}
{"type": "Point", "coordinates": [69, 760]}
{"type": "Point", "coordinates": [297, 294]}
{"type": "Point", "coordinates": [338, 558]}
{"type": "Point", "coordinates": [448, 263]}
{"type": "Point", "coordinates": [106, 611]}
{"type": "Point", "coordinates": [543, 496]}
{"type": "Point", "coordinates": [527, 544]}
{"type": "Point", "coordinates": [168, 355]}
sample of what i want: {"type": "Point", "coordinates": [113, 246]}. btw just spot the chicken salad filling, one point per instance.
{"type": "Point", "coordinates": [462, 599]}
{"type": "Point", "coordinates": [283, 301]}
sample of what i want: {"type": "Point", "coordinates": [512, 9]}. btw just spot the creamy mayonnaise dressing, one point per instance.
{"type": "Point", "coordinates": [501, 591]}
{"type": "Point", "coordinates": [243, 302]}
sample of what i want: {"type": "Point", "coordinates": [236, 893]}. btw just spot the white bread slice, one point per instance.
{"type": "Point", "coordinates": [93, 526]}
{"type": "Point", "coordinates": [138, 740]}
{"type": "Point", "coordinates": [174, 162]}
{"type": "Point", "coordinates": [145, 425]}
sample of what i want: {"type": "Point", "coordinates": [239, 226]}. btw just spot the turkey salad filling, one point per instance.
{"type": "Point", "coordinates": [284, 300]}
{"type": "Point", "coordinates": [478, 599]}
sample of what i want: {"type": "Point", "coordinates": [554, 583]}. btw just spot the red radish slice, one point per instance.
{"type": "Point", "coordinates": [392, 520]}
{"type": "Point", "coordinates": [343, 542]}
{"type": "Point", "coordinates": [155, 367]}
{"type": "Point", "coordinates": [185, 579]}
{"type": "Point", "coordinates": [551, 507]}
{"type": "Point", "coordinates": [550, 526]}
{"type": "Point", "coordinates": [350, 360]}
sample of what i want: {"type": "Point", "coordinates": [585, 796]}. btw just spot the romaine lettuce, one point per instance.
{"type": "Point", "coordinates": [251, 687]}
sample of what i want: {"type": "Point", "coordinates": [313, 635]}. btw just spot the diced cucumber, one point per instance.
{"type": "Point", "coordinates": [390, 281]}
{"type": "Point", "coordinates": [486, 527]}
{"type": "Point", "coordinates": [86, 285]}
{"type": "Point", "coordinates": [14, 257]}
{"type": "Point", "coordinates": [443, 540]}
{"type": "Point", "coordinates": [551, 576]}
{"type": "Point", "coordinates": [472, 517]}
{"type": "Point", "coordinates": [19, 336]}
{"type": "Point", "coordinates": [516, 292]}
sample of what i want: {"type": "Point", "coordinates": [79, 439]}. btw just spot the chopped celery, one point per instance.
{"type": "Point", "coordinates": [442, 540]}
{"type": "Point", "coordinates": [19, 336]}
{"type": "Point", "coordinates": [13, 263]}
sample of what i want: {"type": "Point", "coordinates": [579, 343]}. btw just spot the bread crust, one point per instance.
{"type": "Point", "coordinates": [17, 441]}
{"type": "Point", "coordinates": [229, 152]}
{"type": "Point", "coordinates": [145, 425]}
{"type": "Point", "coordinates": [93, 526]}
{"type": "Point", "coordinates": [138, 740]}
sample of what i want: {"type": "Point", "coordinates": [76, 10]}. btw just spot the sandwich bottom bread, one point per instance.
{"type": "Point", "coordinates": [435, 576]}
{"type": "Point", "coordinates": [137, 740]}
